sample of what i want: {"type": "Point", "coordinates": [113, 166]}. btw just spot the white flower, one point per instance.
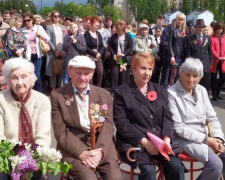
{"type": "Point", "coordinates": [13, 141]}
{"type": "Point", "coordinates": [48, 155]}
{"type": "Point", "coordinates": [15, 160]}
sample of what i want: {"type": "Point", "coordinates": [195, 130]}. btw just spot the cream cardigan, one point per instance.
{"type": "Point", "coordinates": [39, 108]}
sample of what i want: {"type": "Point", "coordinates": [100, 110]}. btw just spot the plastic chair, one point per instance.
{"type": "Point", "coordinates": [186, 158]}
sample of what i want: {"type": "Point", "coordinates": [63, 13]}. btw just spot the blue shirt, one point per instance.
{"type": "Point", "coordinates": [86, 92]}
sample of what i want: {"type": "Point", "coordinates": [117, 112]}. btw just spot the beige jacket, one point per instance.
{"type": "Point", "coordinates": [3, 29]}
{"type": "Point", "coordinates": [142, 44]}
{"type": "Point", "coordinates": [39, 108]}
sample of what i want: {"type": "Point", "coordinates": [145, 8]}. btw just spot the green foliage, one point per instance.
{"type": "Point", "coordinates": [112, 11]}
{"type": "Point", "coordinates": [195, 5]}
{"type": "Point", "coordinates": [46, 10]}
{"type": "Point", "coordinates": [5, 152]}
{"type": "Point", "coordinates": [164, 8]}
{"type": "Point", "coordinates": [186, 7]}
{"type": "Point", "coordinates": [21, 6]}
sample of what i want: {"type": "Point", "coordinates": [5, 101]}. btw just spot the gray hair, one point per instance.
{"type": "Point", "coordinates": [192, 65]}
{"type": "Point", "coordinates": [16, 63]}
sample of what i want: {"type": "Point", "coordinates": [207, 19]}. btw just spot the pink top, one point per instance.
{"type": "Point", "coordinates": [32, 40]}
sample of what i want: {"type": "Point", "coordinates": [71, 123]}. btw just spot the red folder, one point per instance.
{"type": "Point", "coordinates": [160, 145]}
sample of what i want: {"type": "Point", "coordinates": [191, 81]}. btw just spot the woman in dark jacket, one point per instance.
{"type": "Point", "coordinates": [95, 49]}
{"type": "Point", "coordinates": [120, 46]}
{"type": "Point", "coordinates": [175, 44]}
{"type": "Point", "coordinates": [74, 44]}
{"type": "Point", "coordinates": [141, 107]}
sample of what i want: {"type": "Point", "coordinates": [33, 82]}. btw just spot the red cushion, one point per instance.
{"type": "Point", "coordinates": [186, 157]}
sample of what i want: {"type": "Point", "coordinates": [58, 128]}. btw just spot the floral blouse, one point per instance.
{"type": "Point", "coordinates": [15, 40]}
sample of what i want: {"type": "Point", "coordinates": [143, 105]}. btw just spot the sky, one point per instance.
{"type": "Point", "coordinates": [51, 3]}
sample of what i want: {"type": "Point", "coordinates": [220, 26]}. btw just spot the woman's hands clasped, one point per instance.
{"type": "Point", "coordinates": [216, 145]}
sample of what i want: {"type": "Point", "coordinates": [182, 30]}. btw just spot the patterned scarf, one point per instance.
{"type": "Point", "coordinates": [25, 126]}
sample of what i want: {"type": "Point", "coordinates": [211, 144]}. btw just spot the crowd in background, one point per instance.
{"type": "Point", "coordinates": [111, 47]}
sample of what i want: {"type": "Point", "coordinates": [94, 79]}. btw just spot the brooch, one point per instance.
{"type": "Point", "coordinates": [68, 101]}
{"type": "Point", "coordinates": [182, 34]}
{"type": "Point", "coordinates": [98, 113]}
{"type": "Point", "coordinates": [152, 95]}
{"type": "Point", "coordinates": [206, 41]}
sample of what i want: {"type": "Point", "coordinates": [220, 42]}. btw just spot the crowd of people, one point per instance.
{"type": "Point", "coordinates": [159, 77]}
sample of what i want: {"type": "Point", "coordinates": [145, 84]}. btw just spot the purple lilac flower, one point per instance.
{"type": "Point", "coordinates": [16, 175]}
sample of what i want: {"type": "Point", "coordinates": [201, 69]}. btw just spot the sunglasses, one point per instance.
{"type": "Point", "coordinates": [56, 16]}
{"type": "Point", "coordinates": [27, 20]}
{"type": "Point", "coordinates": [80, 21]}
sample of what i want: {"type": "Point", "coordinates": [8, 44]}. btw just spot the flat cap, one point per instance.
{"type": "Point", "coordinates": [82, 62]}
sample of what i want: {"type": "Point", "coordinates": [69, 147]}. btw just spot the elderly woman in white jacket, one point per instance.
{"type": "Point", "coordinates": [25, 114]}
{"type": "Point", "coordinates": [191, 108]}
{"type": "Point", "coordinates": [33, 53]}
{"type": "Point", "coordinates": [145, 42]}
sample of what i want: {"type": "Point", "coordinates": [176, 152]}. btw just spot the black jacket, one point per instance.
{"type": "Point", "coordinates": [90, 44]}
{"type": "Point", "coordinates": [175, 48]}
{"type": "Point", "coordinates": [113, 44]}
{"type": "Point", "coordinates": [203, 52]}
{"type": "Point", "coordinates": [135, 115]}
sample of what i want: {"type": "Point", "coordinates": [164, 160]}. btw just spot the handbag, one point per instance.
{"type": "Point", "coordinates": [58, 66]}
{"type": "Point", "coordinates": [95, 50]}
{"type": "Point", "coordinates": [44, 46]}
{"type": "Point", "coordinates": [127, 59]}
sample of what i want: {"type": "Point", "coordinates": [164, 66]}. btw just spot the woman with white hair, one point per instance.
{"type": "Point", "coordinates": [25, 114]}
{"type": "Point", "coordinates": [191, 108]}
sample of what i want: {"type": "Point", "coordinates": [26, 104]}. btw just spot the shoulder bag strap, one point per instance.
{"type": "Point", "coordinates": [97, 40]}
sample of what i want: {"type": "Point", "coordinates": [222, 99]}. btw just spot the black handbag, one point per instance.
{"type": "Point", "coordinates": [127, 59]}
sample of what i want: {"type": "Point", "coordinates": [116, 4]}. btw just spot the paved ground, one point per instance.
{"type": "Point", "coordinates": [219, 107]}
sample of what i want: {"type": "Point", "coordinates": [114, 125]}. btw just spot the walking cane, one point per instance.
{"type": "Point", "coordinates": [211, 135]}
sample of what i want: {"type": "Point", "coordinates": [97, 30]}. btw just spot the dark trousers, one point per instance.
{"type": "Point", "coordinates": [157, 70]}
{"type": "Point", "coordinates": [165, 68]}
{"type": "Point", "coordinates": [217, 83]}
{"type": "Point", "coordinates": [172, 170]}
{"type": "Point", "coordinates": [97, 78]}
{"type": "Point", "coordinates": [37, 65]}
{"type": "Point", "coordinates": [117, 77]}
{"type": "Point", "coordinates": [205, 81]}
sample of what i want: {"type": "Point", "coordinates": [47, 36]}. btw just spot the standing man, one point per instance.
{"type": "Point", "coordinates": [3, 27]}
{"type": "Point", "coordinates": [160, 22]}
{"type": "Point", "coordinates": [72, 120]}
{"type": "Point", "coordinates": [198, 46]}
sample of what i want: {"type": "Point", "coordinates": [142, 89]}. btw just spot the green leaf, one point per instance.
{"type": "Point", "coordinates": [43, 168]}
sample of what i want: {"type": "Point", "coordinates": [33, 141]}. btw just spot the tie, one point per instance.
{"type": "Point", "coordinates": [81, 96]}
{"type": "Point", "coordinates": [200, 41]}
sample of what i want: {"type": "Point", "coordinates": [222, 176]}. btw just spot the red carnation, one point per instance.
{"type": "Point", "coordinates": [182, 34]}
{"type": "Point", "coordinates": [152, 45]}
{"type": "Point", "coordinates": [152, 95]}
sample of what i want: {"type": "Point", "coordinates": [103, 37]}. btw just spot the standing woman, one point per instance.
{"type": "Point", "coordinates": [56, 32]}
{"type": "Point", "coordinates": [15, 39]}
{"type": "Point", "coordinates": [120, 45]}
{"type": "Point", "coordinates": [175, 44]}
{"type": "Point", "coordinates": [95, 49]}
{"type": "Point", "coordinates": [33, 53]}
{"type": "Point", "coordinates": [218, 67]}
{"type": "Point", "coordinates": [74, 44]}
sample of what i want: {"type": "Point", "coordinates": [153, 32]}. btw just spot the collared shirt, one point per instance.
{"type": "Point", "coordinates": [83, 107]}
{"type": "Point", "coordinates": [197, 35]}
{"type": "Point", "coordinates": [86, 92]}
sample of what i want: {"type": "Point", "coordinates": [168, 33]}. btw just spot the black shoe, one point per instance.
{"type": "Point", "coordinates": [220, 98]}
{"type": "Point", "coordinates": [214, 98]}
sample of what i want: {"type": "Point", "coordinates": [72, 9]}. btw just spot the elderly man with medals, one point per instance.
{"type": "Point", "coordinates": [77, 108]}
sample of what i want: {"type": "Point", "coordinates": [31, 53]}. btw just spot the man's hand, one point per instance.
{"type": "Point", "coordinates": [92, 158]}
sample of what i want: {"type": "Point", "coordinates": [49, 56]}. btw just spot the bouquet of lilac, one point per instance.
{"type": "Point", "coordinates": [20, 160]}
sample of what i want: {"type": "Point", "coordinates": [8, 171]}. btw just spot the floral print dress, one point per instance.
{"type": "Point", "coordinates": [15, 41]}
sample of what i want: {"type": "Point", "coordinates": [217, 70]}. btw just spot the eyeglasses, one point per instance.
{"type": "Point", "coordinates": [56, 16]}
{"type": "Point", "coordinates": [27, 20]}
